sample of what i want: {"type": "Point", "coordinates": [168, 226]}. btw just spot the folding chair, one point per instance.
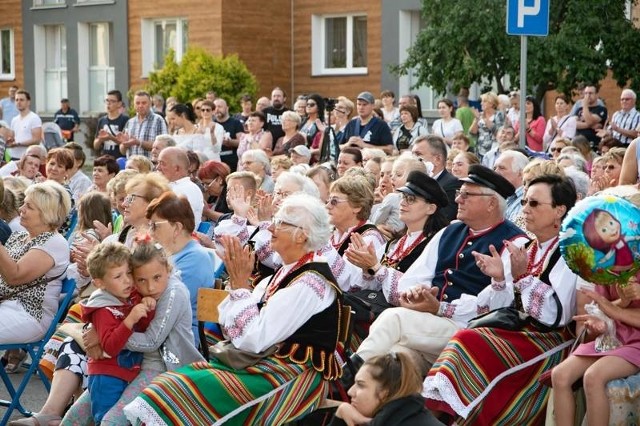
{"type": "Point", "coordinates": [207, 311]}
{"type": "Point", "coordinates": [35, 351]}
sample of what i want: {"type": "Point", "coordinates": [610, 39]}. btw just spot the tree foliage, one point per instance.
{"type": "Point", "coordinates": [200, 72]}
{"type": "Point", "coordinates": [465, 42]}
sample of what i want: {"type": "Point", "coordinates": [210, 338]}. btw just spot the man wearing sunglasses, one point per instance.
{"type": "Point", "coordinates": [445, 288]}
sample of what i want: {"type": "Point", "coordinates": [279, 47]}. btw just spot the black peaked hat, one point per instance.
{"type": "Point", "coordinates": [484, 176]}
{"type": "Point", "coordinates": [422, 185]}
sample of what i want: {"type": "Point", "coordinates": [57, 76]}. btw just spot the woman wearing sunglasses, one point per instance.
{"type": "Point", "coordinates": [495, 371]}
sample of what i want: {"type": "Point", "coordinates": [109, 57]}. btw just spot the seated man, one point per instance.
{"type": "Point", "coordinates": [444, 288]}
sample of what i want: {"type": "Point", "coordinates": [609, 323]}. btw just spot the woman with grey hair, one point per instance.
{"type": "Point", "coordinates": [297, 309]}
{"type": "Point", "coordinates": [257, 162]}
{"type": "Point", "coordinates": [32, 264]}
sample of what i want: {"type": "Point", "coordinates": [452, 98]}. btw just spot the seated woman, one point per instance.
{"type": "Point", "coordinates": [422, 200]}
{"type": "Point", "coordinates": [386, 392]}
{"type": "Point", "coordinates": [171, 223]}
{"type": "Point", "coordinates": [466, 379]}
{"type": "Point", "coordinates": [213, 175]}
{"type": "Point", "coordinates": [32, 265]}
{"type": "Point", "coordinates": [598, 368]}
{"type": "Point", "coordinates": [298, 309]}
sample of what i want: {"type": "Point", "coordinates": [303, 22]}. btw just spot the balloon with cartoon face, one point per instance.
{"type": "Point", "coordinates": [600, 239]}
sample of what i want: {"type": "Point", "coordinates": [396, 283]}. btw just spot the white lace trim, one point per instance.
{"type": "Point", "coordinates": [439, 388]}
{"type": "Point", "coordinates": [139, 412]}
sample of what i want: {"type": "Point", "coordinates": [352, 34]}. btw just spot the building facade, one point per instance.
{"type": "Point", "coordinates": [80, 49]}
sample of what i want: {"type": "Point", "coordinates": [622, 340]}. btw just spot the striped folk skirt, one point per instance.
{"type": "Point", "coordinates": [489, 376]}
{"type": "Point", "coordinates": [271, 392]}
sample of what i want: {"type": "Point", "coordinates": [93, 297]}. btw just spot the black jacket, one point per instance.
{"type": "Point", "coordinates": [450, 184]}
{"type": "Point", "coordinates": [407, 411]}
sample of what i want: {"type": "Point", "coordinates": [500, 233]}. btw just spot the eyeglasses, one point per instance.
{"type": "Point", "coordinates": [341, 111]}
{"type": "Point", "coordinates": [532, 203]}
{"type": "Point", "coordinates": [408, 198]}
{"type": "Point", "coordinates": [334, 201]}
{"type": "Point", "coordinates": [610, 167]}
{"type": "Point", "coordinates": [154, 225]}
{"type": "Point", "coordinates": [198, 108]}
{"type": "Point", "coordinates": [465, 195]}
{"type": "Point", "coordinates": [311, 104]}
{"type": "Point", "coordinates": [206, 109]}
{"type": "Point", "coordinates": [279, 223]}
{"type": "Point", "coordinates": [556, 149]}
{"type": "Point", "coordinates": [110, 101]}
{"type": "Point", "coordinates": [626, 99]}
{"type": "Point", "coordinates": [246, 163]}
{"type": "Point", "coordinates": [129, 198]}
{"type": "Point", "coordinates": [282, 194]}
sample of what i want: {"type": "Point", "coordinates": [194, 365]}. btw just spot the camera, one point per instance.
{"type": "Point", "coordinates": [330, 104]}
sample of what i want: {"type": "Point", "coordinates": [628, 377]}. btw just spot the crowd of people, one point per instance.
{"type": "Point", "coordinates": [301, 214]}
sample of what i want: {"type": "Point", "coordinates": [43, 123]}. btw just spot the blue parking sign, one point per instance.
{"type": "Point", "coordinates": [528, 17]}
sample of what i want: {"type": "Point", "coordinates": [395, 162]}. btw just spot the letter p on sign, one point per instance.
{"type": "Point", "coordinates": [528, 17]}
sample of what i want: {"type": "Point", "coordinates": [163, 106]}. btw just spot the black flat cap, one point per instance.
{"type": "Point", "coordinates": [422, 185]}
{"type": "Point", "coordinates": [483, 176]}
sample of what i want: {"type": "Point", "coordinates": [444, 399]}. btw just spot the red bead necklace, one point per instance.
{"type": "Point", "coordinates": [399, 252]}
{"type": "Point", "coordinates": [277, 278]}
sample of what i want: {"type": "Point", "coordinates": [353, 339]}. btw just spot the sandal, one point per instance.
{"type": "Point", "coordinates": [37, 420]}
{"type": "Point", "coordinates": [15, 359]}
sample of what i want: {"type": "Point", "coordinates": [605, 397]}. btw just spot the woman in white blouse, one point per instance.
{"type": "Point", "coordinates": [447, 125]}
{"type": "Point", "coordinates": [562, 125]}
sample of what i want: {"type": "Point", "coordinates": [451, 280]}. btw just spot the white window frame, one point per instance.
{"type": "Point", "coordinates": [12, 56]}
{"type": "Point", "coordinates": [149, 41]}
{"type": "Point", "coordinates": [44, 4]}
{"type": "Point", "coordinates": [85, 69]}
{"type": "Point", "coordinates": [318, 46]}
{"type": "Point", "coordinates": [41, 70]}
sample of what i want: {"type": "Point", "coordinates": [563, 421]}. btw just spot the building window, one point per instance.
{"type": "Point", "coordinates": [7, 58]}
{"type": "Point", "coordinates": [40, 3]}
{"type": "Point", "coordinates": [101, 71]}
{"type": "Point", "coordinates": [339, 44]}
{"type": "Point", "coordinates": [55, 70]}
{"type": "Point", "coordinates": [160, 35]}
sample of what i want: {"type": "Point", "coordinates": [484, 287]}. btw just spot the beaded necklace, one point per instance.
{"type": "Point", "coordinates": [347, 234]}
{"type": "Point", "coordinates": [279, 276]}
{"type": "Point", "coordinates": [535, 268]}
{"type": "Point", "coordinates": [400, 252]}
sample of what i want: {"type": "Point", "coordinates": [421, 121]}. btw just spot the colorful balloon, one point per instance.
{"type": "Point", "coordinates": [600, 239]}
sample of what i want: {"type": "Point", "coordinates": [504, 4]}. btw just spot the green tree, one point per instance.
{"type": "Point", "coordinates": [465, 41]}
{"type": "Point", "coordinates": [200, 72]}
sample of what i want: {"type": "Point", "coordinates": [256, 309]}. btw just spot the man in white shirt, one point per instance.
{"type": "Point", "coordinates": [26, 128]}
{"type": "Point", "coordinates": [173, 163]}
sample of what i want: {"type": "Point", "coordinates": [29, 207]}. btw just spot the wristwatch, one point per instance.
{"type": "Point", "coordinates": [374, 269]}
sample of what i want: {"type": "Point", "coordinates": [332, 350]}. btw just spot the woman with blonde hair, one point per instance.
{"type": "Point", "coordinates": [486, 123]}
{"type": "Point", "coordinates": [139, 163]}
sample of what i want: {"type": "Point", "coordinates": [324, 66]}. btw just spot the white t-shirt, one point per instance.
{"type": "Point", "coordinates": [447, 129]}
{"type": "Point", "coordinates": [58, 249]}
{"type": "Point", "coordinates": [185, 187]}
{"type": "Point", "coordinates": [22, 127]}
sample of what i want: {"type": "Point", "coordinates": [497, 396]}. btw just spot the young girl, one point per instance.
{"type": "Point", "coordinates": [386, 392]}
{"type": "Point", "coordinates": [92, 206]}
{"type": "Point", "coordinates": [167, 342]}
{"type": "Point", "coordinates": [598, 368]}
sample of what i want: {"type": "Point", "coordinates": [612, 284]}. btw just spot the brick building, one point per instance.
{"type": "Point", "coordinates": [81, 48]}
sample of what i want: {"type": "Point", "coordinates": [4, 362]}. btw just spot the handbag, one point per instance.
{"type": "Point", "coordinates": [225, 352]}
{"type": "Point", "coordinates": [367, 304]}
{"type": "Point", "coordinates": [512, 319]}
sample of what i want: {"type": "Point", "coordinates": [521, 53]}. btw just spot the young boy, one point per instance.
{"type": "Point", "coordinates": [115, 310]}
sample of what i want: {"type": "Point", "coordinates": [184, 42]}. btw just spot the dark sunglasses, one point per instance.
{"type": "Point", "coordinates": [532, 203]}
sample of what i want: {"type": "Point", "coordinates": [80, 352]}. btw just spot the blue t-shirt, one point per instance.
{"type": "Point", "coordinates": [195, 266]}
{"type": "Point", "coordinates": [375, 132]}
{"type": "Point", "coordinates": [9, 110]}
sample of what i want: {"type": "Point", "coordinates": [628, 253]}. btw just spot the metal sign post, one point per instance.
{"type": "Point", "coordinates": [526, 18]}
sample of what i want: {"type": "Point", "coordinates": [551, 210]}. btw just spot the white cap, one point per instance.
{"type": "Point", "coordinates": [302, 150]}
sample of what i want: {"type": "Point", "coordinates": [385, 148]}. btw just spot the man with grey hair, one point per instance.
{"type": "Point", "coordinates": [173, 163]}
{"type": "Point", "coordinates": [580, 181]}
{"type": "Point", "coordinates": [446, 287]}
{"type": "Point", "coordinates": [161, 142]}
{"type": "Point", "coordinates": [625, 122]}
{"type": "Point", "coordinates": [509, 165]}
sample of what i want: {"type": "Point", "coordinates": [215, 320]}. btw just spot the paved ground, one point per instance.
{"type": "Point", "coordinates": [32, 399]}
